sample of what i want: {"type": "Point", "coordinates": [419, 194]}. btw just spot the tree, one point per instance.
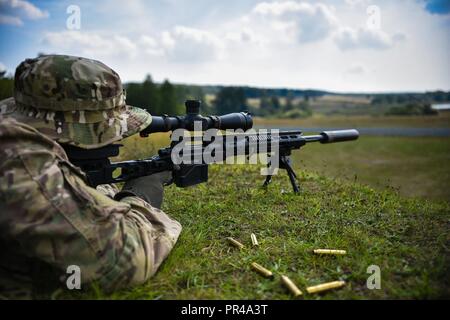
{"type": "Point", "coordinates": [264, 104]}
{"type": "Point", "coordinates": [144, 95]}
{"type": "Point", "coordinates": [151, 97]}
{"type": "Point", "coordinates": [304, 108]}
{"type": "Point", "coordinates": [274, 103]}
{"type": "Point", "coordinates": [134, 95]}
{"type": "Point", "coordinates": [428, 110]}
{"type": "Point", "coordinates": [230, 99]}
{"type": "Point", "coordinates": [289, 102]}
{"type": "Point", "coordinates": [168, 98]}
{"type": "Point", "coordinates": [6, 87]}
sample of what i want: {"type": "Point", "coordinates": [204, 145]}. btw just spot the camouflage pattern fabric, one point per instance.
{"type": "Point", "coordinates": [73, 100]}
{"type": "Point", "coordinates": [109, 190]}
{"type": "Point", "coordinates": [67, 83]}
{"type": "Point", "coordinates": [51, 219]}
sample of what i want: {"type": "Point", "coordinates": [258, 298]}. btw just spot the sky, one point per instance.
{"type": "Point", "coordinates": [336, 45]}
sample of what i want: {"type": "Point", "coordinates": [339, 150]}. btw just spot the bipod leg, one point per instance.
{"type": "Point", "coordinates": [268, 178]}
{"type": "Point", "coordinates": [286, 164]}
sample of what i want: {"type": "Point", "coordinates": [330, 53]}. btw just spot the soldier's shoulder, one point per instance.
{"type": "Point", "coordinates": [16, 136]}
{"type": "Point", "coordinates": [8, 124]}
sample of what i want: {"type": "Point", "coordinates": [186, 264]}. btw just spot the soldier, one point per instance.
{"type": "Point", "coordinates": [50, 218]}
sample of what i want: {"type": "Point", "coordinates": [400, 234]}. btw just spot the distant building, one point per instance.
{"type": "Point", "coordinates": [441, 106]}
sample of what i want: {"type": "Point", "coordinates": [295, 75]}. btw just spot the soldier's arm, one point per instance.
{"type": "Point", "coordinates": [56, 218]}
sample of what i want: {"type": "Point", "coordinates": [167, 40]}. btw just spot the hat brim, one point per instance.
{"type": "Point", "coordinates": [125, 123]}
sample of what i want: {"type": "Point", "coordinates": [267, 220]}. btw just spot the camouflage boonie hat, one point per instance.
{"type": "Point", "coordinates": [73, 100]}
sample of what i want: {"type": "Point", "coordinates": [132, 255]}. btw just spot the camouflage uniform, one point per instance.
{"type": "Point", "coordinates": [49, 217]}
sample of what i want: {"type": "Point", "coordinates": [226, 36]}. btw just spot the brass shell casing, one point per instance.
{"type": "Point", "coordinates": [325, 286]}
{"type": "Point", "coordinates": [254, 240]}
{"type": "Point", "coordinates": [235, 243]}
{"type": "Point", "coordinates": [291, 286]}
{"type": "Point", "coordinates": [261, 270]}
{"type": "Point", "coordinates": [330, 251]}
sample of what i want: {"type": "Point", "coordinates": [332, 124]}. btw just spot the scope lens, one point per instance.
{"type": "Point", "coordinates": [238, 120]}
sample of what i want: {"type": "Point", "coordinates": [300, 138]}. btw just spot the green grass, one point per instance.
{"type": "Point", "coordinates": [413, 166]}
{"type": "Point", "coordinates": [407, 238]}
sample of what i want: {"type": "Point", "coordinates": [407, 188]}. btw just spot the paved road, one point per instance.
{"type": "Point", "coordinates": [398, 132]}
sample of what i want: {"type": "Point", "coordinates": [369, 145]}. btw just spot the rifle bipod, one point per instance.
{"type": "Point", "coordinates": [285, 163]}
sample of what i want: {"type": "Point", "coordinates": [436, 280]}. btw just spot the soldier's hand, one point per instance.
{"type": "Point", "coordinates": [149, 188]}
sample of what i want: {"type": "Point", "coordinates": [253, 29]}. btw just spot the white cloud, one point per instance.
{"type": "Point", "coordinates": [2, 67]}
{"type": "Point", "coordinates": [399, 37]}
{"type": "Point", "coordinates": [150, 46]}
{"type": "Point", "coordinates": [29, 9]}
{"type": "Point", "coordinates": [357, 2]}
{"type": "Point", "coordinates": [11, 20]}
{"type": "Point", "coordinates": [124, 44]}
{"type": "Point", "coordinates": [14, 10]}
{"type": "Point", "coordinates": [277, 8]}
{"type": "Point", "coordinates": [364, 38]}
{"type": "Point", "coordinates": [281, 43]}
{"type": "Point", "coordinates": [307, 22]}
{"type": "Point", "coordinates": [245, 36]}
{"type": "Point", "coordinates": [90, 44]}
{"type": "Point", "coordinates": [356, 69]}
{"type": "Point", "coordinates": [183, 44]}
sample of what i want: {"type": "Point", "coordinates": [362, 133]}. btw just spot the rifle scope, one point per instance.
{"type": "Point", "coordinates": [165, 123]}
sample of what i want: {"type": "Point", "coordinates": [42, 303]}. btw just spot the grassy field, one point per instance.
{"type": "Point", "coordinates": [439, 121]}
{"type": "Point", "coordinates": [413, 167]}
{"type": "Point", "coordinates": [408, 238]}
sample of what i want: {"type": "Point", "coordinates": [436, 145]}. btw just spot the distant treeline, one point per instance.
{"type": "Point", "coordinates": [253, 92]}
{"type": "Point", "coordinates": [411, 108]}
{"type": "Point", "coordinates": [168, 98]}
{"type": "Point", "coordinates": [427, 97]}
{"type": "Point", "coordinates": [411, 103]}
{"type": "Point", "coordinates": [234, 99]}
